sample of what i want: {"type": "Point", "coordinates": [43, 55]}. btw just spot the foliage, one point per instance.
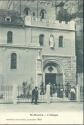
{"type": "Point", "coordinates": [71, 9]}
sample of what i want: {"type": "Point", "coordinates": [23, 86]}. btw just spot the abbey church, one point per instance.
{"type": "Point", "coordinates": [35, 47]}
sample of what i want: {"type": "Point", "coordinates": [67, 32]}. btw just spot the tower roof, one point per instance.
{"type": "Point", "coordinates": [10, 17]}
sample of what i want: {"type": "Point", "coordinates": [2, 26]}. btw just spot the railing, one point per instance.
{"type": "Point", "coordinates": [23, 94]}
{"type": "Point", "coordinates": [6, 95]}
{"type": "Point", "coordinates": [57, 93]}
{"type": "Point", "coordinates": [29, 21]}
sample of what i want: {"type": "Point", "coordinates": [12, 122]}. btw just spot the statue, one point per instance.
{"type": "Point", "coordinates": [51, 41]}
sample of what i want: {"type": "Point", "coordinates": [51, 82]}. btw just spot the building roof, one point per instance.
{"type": "Point", "coordinates": [10, 17]}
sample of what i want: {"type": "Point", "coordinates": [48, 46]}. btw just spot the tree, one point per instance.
{"type": "Point", "coordinates": [71, 6]}
{"type": "Point", "coordinates": [63, 15]}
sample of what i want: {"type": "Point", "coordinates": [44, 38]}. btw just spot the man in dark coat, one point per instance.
{"type": "Point", "coordinates": [35, 95]}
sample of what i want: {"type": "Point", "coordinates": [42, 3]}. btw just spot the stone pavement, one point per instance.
{"type": "Point", "coordinates": [53, 113]}
{"type": "Point", "coordinates": [43, 107]}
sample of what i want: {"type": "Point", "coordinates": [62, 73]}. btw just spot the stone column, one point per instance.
{"type": "Point", "coordinates": [48, 93]}
{"type": "Point", "coordinates": [14, 94]}
{"type": "Point", "coordinates": [78, 92]}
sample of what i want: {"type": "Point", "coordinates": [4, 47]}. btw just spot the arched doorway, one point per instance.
{"type": "Point", "coordinates": [53, 75]}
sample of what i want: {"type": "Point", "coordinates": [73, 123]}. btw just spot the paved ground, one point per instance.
{"type": "Point", "coordinates": [52, 107]}
{"type": "Point", "coordinates": [65, 113]}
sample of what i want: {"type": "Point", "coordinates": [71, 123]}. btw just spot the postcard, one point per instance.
{"type": "Point", "coordinates": [41, 62]}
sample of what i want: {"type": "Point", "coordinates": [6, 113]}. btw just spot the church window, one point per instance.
{"type": "Point", "coordinates": [33, 13]}
{"type": "Point", "coordinates": [60, 41]}
{"type": "Point", "coordinates": [13, 61]}
{"type": "Point", "coordinates": [8, 19]}
{"type": "Point", "coordinates": [9, 37]}
{"type": "Point", "coordinates": [41, 39]}
{"type": "Point", "coordinates": [27, 11]}
{"type": "Point", "coordinates": [43, 14]}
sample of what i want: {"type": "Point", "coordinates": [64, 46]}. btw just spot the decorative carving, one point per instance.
{"type": "Point", "coordinates": [51, 41]}
{"type": "Point", "coordinates": [50, 68]}
{"type": "Point", "coordinates": [39, 54]}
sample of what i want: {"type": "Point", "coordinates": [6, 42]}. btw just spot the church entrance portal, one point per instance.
{"type": "Point", "coordinates": [50, 78]}
{"type": "Point", "coordinates": [54, 78]}
{"type": "Point", "coordinates": [56, 84]}
{"type": "Point", "coordinates": [53, 75]}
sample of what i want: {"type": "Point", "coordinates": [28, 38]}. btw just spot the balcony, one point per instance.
{"type": "Point", "coordinates": [50, 24]}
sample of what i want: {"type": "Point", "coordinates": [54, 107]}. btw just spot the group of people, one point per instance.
{"type": "Point", "coordinates": [57, 90]}
{"type": "Point", "coordinates": [70, 93]}
{"type": "Point", "coordinates": [60, 91]}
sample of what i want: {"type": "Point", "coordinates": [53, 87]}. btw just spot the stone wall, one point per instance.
{"type": "Point", "coordinates": [67, 65]}
{"type": "Point", "coordinates": [80, 87]}
{"type": "Point", "coordinates": [26, 65]}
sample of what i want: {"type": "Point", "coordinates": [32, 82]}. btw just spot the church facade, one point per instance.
{"type": "Point", "coordinates": [36, 48]}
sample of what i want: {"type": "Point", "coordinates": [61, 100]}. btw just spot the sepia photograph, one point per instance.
{"type": "Point", "coordinates": [41, 62]}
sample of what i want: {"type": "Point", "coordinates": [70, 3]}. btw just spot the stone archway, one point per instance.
{"type": "Point", "coordinates": [53, 75]}
{"type": "Point", "coordinates": [52, 72]}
